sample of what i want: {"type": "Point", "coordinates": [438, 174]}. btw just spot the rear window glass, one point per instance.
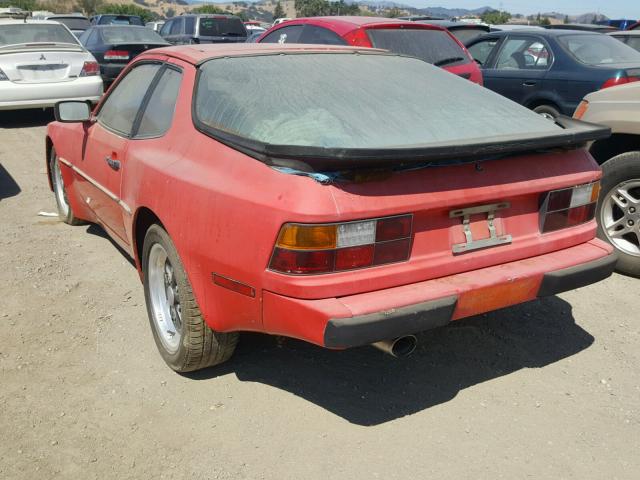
{"type": "Point", "coordinates": [465, 35]}
{"type": "Point", "coordinates": [598, 49]}
{"type": "Point", "coordinates": [120, 20]}
{"type": "Point", "coordinates": [433, 46]}
{"type": "Point", "coordinates": [74, 23]}
{"type": "Point", "coordinates": [219, 27]}
{"type": "Point", "coordinates": [359, 101]}
{"type": "Point", "coordinates": [634, 42]}
{"type": "Point", "coordinates": [130, 34]}
{"type": "Point", "coordinates": [34, 33]}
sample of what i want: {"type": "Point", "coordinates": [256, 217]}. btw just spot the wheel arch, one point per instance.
{"type": "Point", "coordinates": [616, 144]}
{"type": "Point", "coordinates": [539, 101]}
{"type": "Point", "coordinates": [142, 220]}
{"type": "Point", "coordinates": [48, 149]}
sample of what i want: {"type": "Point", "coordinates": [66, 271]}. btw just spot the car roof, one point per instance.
{"type": "Point", "coordinates": [205, 15]}
{"type": "Point", "coordinates": [66, 15]}
{"type": "Point", "coordinates": [451, 24]}
{"type": "Point", "coordinates": [11, 21]}
{"type": "Point", "coordinates": [197, 54]}
{"type": "Point", "coordinates": [115, 25]}
{"type": "Point", "coordinates": [625, 33]}
{"type": "Point", "coordinates": [544, 32]}
{"type": "Point", "coordinates": [352, 22]}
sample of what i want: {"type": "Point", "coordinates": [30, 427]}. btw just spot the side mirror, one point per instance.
{"type": "Point", "coordinates": [72, 112]}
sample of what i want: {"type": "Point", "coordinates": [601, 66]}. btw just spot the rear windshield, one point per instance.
{"type": "Point", "coordinates": [223, 26]}
{"type": "Point", "coordinates": [598, 49]}
{"type": "Point", "coordinates": [433, 46]}
{"type": "Point", "coordinates": [465, 35]}
{"type": "Point", "coordinates": [34, 33]}
{"type": "Point", "coordinates": [352, 100]}
{"type": "Point", "coordinates": [120, 20]}
{"type": "Point", "coordinates": [131, 35]}
{"type": "Point", "coordinates": [74, 23]}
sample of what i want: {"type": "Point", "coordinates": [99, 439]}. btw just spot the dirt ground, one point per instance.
{"type": "Point", "coordinates": [546, 390]}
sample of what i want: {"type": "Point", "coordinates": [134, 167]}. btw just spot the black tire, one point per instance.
{"type": "Point", "coordinates": [619, 171]}
{"type": "Point", "coordinates": [547, 110]}
{"type": "Point", "coordinates": [65, 212]}
{"type": "Point", "coordinates": [199, 346]}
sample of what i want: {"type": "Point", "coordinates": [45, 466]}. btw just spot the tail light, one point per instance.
{"type": "Point", "coordinates": [569, 207]}
{"type": "Point", "coordinates": [312, 249]}
{"type": "Point", "coordinates": [116, 55]}
{"type": "Point", "coordinates": [3, 76]}
{"type": "Point", "coordinates": [90, 69]}
{"type": "Point", "coordinates": [620, 80]}
{"type": "Point", "coordinates": [358, 38]}
{"type": "Point", "coordinates": [581, 110]}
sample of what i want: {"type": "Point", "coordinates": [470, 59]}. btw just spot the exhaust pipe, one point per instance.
{"type": "Point", "coordinates": [398, 347]}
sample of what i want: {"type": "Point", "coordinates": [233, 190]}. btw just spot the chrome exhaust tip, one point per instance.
{"type": "Point", "coordinates": [398, 347]}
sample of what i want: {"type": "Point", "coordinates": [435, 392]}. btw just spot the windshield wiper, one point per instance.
{"type": "Point", "coordinates": [446, 61]}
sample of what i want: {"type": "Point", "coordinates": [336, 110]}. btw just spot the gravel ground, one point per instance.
{"type": "Point", "coordinates": [550, 389]}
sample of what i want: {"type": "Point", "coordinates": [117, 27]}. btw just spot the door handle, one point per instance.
{"type": "Point", "coordinates": [529, 84]}
{"type": "Point", "coordinates": [114, 164]}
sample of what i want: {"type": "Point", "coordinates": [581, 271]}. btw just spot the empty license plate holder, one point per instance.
{"type": "Point", "coordinates": [494, 239]}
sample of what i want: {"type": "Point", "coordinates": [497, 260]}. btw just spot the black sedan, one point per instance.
{"type": "Point", "coordinates": [114, 46]}
{"type": "Point", "coordinates": [550, 71]}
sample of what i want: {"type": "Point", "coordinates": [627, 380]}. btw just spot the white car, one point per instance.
{"type": "Point", "coordinates": [42, 63]}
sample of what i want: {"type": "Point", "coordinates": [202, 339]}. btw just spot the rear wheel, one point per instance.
{"type": "Point", "coordinates": [619, 210]}
{"type": "Point", "coordinates": [185, 342]}
{"type": "Point", "coordinates": [547, 111]}
{"type": "Point", "coordinates": [65, 212]}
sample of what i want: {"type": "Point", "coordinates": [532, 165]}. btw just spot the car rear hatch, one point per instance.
{"type": "Point", "coordinates": [42, 65]}
{"type": "Point", "coordinates": [221, 29]}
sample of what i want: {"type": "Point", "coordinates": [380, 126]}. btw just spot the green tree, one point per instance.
{"type": "Point", "coordinates": [311, 8]}
{"type": "Point", "coordinates": [278, 11]}
{"type": "Point", "coordinates": [566, 19]}
{"type": "Point", "coordinates": [394, 12]}
{"type": "Point", "coordinates": [494, 17]}
{"type": "Point", "coordinates": [545, 21]}
{"type": "Point", "coordinates": [538, 18]}
{"type": "Point", "coordinates": [128, 9]}
{"type": "Point", "coordinates": [170, 12]}
{"type": "Point", "coordinates": [208, 9]}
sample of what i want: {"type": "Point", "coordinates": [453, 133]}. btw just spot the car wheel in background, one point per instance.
{"type": "Point", "coordinates": [619, 210]}
{"type": "Point", "coordinates": [65, 212]}
{"type": "Point", "coordinates": [184, 340]}
{"type": "Point", "coordinates": [547, 111]}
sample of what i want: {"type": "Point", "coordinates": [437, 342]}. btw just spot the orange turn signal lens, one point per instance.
{"type": "Point", "coordinates": [595, 192]}
{"type": "Point", "coordinates": [581, 110]}
{"type": "Point", "coordinates": [307, 237]}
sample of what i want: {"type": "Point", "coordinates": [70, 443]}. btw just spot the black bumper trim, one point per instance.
{"type": "Point", "coordinates": [578, 276]}
{"type": "Point", "coordinates": [366, 329]}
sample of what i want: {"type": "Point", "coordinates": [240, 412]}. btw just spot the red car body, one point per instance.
{"type": "Point", "coordinates": [224, 210]}
{"type": "Point", "coordinates": [353, 30]}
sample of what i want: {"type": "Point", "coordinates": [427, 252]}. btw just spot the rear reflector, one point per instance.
{"type": "Point", "coordinates": [233, 285]}
{"type": "Point", "coordinates": [116, 55]}
{"type": "Point", "coordinates": [569, 207]}
{"type": "Point", "coordinates": [308, 249]}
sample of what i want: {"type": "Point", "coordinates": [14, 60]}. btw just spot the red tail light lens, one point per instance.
{"type": "Point", "coordinates": [116, 55]}
{"type": "Point", "coordinates": [311, 249]}
{"type": "Point", "coordinates": [612, 82]}
{"type": "Point", "coordinates": [90, 69]}
{"type": "Point", "coordinates": [569, 207]}
{"type": "Point", "coordinates": [358, 38]}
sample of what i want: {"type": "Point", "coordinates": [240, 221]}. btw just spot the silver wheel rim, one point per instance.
{"type": "Point", "coordinates": [620, 216]}
{"type": "Point", "coordinates": [165, 300]}
{"type": "Point", "coordinates": [58, 186]}
{"type": "Point", "coordinates": [547, 115]}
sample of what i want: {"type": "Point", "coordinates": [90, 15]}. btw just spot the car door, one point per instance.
{"type": "Point", "coordinates": [519, 67]}
{"type": "Point", "coordinates": [105, 150]}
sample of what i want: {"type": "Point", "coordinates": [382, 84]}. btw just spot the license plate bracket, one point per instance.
{"type": "Point", "coordinates": [494, 239]}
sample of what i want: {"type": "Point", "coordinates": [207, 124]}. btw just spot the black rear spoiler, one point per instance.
{"type": "Point", "coordinates": [574, 134]}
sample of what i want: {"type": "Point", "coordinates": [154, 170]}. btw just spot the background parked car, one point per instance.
{"type": "Point", "coordinates": [114, 46]}
{"type": "Point", "coordinates": [463, 31]}
{"type": "Point", "coordinates": [550, 71]}
{"type": "Point", "coordinates": [620, 24]}
{"type": "Point", "coordinates": [430, 43]}
{"type": "Point", "coordinates": [155, 26]}
{"type": "Point", "coordinates": [188, 29]}
{"type": "Point", "coordinates": [586, 27]}
{"type": "Point", "coordinates": [619, 205]}
{"type": "Point", "coordinates": [635, 26]}
{"type": "Point", "coordinates": [253, 37]}
{"type": "Point", "coordinates": [76, 23]}
{"type": "Point", "coordinates": [113, 19]}
{"type": "Point", "coordinates": [629, 37]}
{"type": "Point", "coordinates": [42, 62]}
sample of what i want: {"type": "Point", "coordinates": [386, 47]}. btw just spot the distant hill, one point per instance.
{"type": "Point", "coordinates": [452, 12]}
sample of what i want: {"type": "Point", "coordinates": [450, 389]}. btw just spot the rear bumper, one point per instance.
{"type": "Point", "coordinates": [110, 72]}
{"type": "Point", "coordinates": [366, 318]}
{"type": "Point", "coordinates": [14, 96]}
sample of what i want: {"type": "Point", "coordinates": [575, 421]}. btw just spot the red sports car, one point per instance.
{"type": "Point", "coordinates": [308, 191]}
{"type": "Point", "coordinates": [430, 43]}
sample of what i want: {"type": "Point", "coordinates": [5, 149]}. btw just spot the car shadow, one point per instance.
{"type": "Point", "coordinates": [8, 186]}
{"type": "Point", "coordinates": [98, 231]}
{"type": "Point", "coordinates": [367, 387]}
{"type": "Point", "coordinates": [25, 118]}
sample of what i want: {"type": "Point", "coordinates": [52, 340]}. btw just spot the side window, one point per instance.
{"type": "Point", "coordinates": [121, 107]}
{"type": "Point", "coordinates": [284, 35]}
{"type": "Point", "coordinates": [176, 27]}
{"type": "Point", "coordinates": [158, 114]}
{"type": "Point", "coordinates": [189, 25]}
{"type": "Point", "coordinates": [319, 35]}
{"type": "Point", "coordinates": [166, 28]}
{"type": "Point", "coordinates": [480, 51]}
{"type": "Point", "coordinates": [523, 54]}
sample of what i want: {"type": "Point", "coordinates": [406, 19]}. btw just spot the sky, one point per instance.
{"type": "Point", "coordinates": [610, 8]}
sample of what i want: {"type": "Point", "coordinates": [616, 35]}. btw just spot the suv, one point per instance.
{"type": "Point", "coordinates": [618, 209]}
{"type": "Point", "coordinates": [188, 29]}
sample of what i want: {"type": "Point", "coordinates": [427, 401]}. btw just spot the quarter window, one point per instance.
{"type": "Point", "coordinates": [121, 107]}
{"type": "Point", "coordinates": [480, 51]}
{"type": "Point", "coordinates": [158, 113]}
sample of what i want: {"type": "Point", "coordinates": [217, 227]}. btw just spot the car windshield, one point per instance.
{"type": "Point", "coordinates": [120, 20]}
{"type": "Point", "coordinates": [368, 101]}
{"type": "Point", "coordinates": [433, 46]}
{"type": "Point", "coordinates": [130, 35]}
{"type": "Point", "coordinates": [598, 49]}
{"type": "Point", "coordinates": [218, 27]}
{"type": "Point", "coordinates": [17, 34]}
{"type": "Point", "coordinates": [73, 23]}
